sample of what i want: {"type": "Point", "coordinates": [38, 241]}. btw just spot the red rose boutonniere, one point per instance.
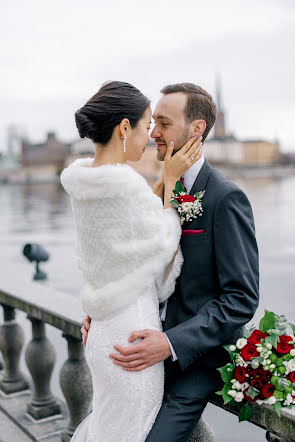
{"type": "Point", "coordinates": [188, 206]}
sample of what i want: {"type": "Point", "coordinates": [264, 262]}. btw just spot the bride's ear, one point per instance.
{"type": "Point", "coordinates": [124, 127]}
{"type": "Point", "coordinates": [197, 127]}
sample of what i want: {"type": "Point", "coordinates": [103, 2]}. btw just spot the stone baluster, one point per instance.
{"type": "Point", "coordinates": [76, 385]}
{"type": "Point", "coordinates": [40, 359]}
{"type": "Point", "coordinates": [1, 362]}
{"type": "Point", "coordinates": [11, 344]}
{"type": "Point", "coordinates": [203, 433]}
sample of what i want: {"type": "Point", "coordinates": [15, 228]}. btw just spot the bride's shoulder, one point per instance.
{"type": "Point", "coordinates": [110, 180]}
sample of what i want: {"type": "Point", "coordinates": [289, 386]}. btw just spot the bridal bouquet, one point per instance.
{"type": "Point", "coordinates": [187, 206]}
{"type": "Point", "coordinates": [262, 368]}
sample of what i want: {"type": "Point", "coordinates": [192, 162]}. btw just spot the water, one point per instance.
{"type": "Point", "coordinates": [42, 214]}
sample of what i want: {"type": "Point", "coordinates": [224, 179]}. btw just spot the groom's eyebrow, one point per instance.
{"type": "Point", "coordinates": [161, 117]}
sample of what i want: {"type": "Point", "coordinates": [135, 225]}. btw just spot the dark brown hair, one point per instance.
{"type": "Point", "coordinates": [114, 101]}
{"type": "Point", "coordinates": [199, 106]}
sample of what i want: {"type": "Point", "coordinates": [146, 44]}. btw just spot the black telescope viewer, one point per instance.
{"type": "Point", "coordinates": [35, 252]}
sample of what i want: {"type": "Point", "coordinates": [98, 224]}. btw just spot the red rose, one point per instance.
{"type": "Point", "coordinates": [260, 374]}
{"type": "Point", "coordinates": [248, 352]}
{"type": "Point", "coordinates": [268, 375]}
{"type": "Point", "coordinates": [240, 374]}
{"type": "Point", "coordinates": [186, 199]}
{"type": "Point", "coordinates": [257, 383]}
{"type": "Point", "coordinates": [291, 376]}
{"type": "Point", "coordinates": [248, 398]}
{"type": "Point", "coordinates": [267, 390]}
{"type": "Point", "coordinates": [283, 347]}
{"type": "Point", "coordinates": [256, 337]}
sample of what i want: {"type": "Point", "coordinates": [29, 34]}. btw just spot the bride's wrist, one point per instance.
{"type": "Point", "coordinates": [171, 179]}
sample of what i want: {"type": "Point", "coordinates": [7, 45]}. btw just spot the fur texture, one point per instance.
{"type": "Point", "coordinates": [125, 239]}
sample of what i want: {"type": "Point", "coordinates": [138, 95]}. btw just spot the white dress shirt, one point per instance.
{"type": "Point", "coordinates": [188, 181]}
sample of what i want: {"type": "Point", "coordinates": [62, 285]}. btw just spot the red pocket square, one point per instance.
{"type": "Point", "coordinates": [192, 232]}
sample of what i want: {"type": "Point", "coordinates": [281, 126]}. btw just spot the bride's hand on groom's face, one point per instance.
{"type": "Point", "coordinates": [175, 166]}
{"type": "Point", "coordinates": [152, 349]}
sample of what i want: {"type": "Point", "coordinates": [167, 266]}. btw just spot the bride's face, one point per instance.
{"type": "Point", "coordinates": [139, 137]}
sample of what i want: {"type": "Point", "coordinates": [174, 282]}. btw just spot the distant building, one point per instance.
{"type": "Point", "coordinates": [83, 146]}
{"type": "Point", "coordinates": [261, 152]}
{"type": "Point", "coordinates": [243, 153]}
{"type": "Point", "coordinates": [50, 153]}
{"type": "Point", "coordinates": [226, 149]}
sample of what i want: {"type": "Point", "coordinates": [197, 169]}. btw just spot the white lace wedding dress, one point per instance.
{"type": "Point", "coordinates": [125, 404]}
{"type": "Point", "coordinates": [125, 245]}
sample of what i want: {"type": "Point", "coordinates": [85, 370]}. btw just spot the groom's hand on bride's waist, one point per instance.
{"type": "Point", "coordinates": [85, 328]}
{"type": "Point", "coordinates": [153, 348]}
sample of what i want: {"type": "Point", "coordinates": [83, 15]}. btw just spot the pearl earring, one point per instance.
{"type": "Point", "coordinates": [124, 143]}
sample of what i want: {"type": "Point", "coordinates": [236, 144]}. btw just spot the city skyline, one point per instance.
{"type": "Point", "coordinates": [57, 55]}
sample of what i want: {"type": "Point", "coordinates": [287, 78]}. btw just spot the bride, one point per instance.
{"type": "Point", "coordinates": [127, 244]}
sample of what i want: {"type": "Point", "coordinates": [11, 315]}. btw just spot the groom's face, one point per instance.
{"type": "Point", "coordinates": [170, 124]}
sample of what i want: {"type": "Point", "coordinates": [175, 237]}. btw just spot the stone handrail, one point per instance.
{"type": "Point", "coordinates": [45, 305]}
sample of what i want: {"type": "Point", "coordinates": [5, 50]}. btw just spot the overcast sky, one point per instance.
{"type": "Point", "coordinates": [55, 54]}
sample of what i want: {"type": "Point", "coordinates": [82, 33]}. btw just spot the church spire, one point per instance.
{"type": "Point", "coordinates": [219, 128]}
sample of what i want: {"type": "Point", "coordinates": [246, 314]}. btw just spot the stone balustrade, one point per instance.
{"type": "Point", "coordinates": [30, 403]}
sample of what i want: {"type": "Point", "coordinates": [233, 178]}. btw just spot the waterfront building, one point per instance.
{"type": "Point", "coordinates": [226, 149]}
{"type": "Point", "coordinates": [50, 153]}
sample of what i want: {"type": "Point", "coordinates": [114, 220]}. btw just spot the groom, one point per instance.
{"type": "Point", "coordinates": [217, 290]}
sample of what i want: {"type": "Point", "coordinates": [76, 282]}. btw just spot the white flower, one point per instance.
{"type": "Point", "coordinates": [237, 385]}
{"type": "Point", "coordinates": [241, 343]}
{"type": "Point", "coordinates": [244, 386]}
{"type": "Point", "coordinates": [259, 401]}
{"type": "Point", "coordinates": [292, 352]}
{"type": "Point", "coordinates": [232, 347]}
{"type": "Point", "coordinates": [291, 365]}
{"type": "Point", "coordinates": [268, 346]}
{"type": "Point", "coordinates": [240, 361]}
{"type": "Point", "coordinates": [272, 400]}
{"type": "Point", "coordinates": [254, 364]}
{"type": "Point", "coordinates": [239, 397]}
{"type": "Point", "coordinates": [232, 393]}
{"type": "Point", "coordinates": [186, 206]}
{"type": "Point", "coordinates": [259, 349]}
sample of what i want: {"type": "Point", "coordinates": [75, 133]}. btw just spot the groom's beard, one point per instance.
{"type": "Point", "coordinates": [178, 143]}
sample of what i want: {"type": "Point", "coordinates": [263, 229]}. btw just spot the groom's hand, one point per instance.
{"type": "Point", "coordinates": [85, 329]}
{"type": "Point", "coordinates": [153, 348]}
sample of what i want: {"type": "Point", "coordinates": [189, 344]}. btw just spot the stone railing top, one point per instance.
{"type": "Point", "coordinates": [265, 417]}
{"type": "Point", "coordinates": [39, 301]}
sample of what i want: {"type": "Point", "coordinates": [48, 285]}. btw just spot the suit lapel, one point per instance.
{"type": "Point", "coordinates": [202, 178]}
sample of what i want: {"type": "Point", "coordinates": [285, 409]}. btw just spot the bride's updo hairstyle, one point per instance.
{"type": "Point", "coordinates": [114, 101]}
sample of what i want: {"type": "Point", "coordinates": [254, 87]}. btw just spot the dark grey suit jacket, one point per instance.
{"type": "Point", "coordinates": [217, 291]}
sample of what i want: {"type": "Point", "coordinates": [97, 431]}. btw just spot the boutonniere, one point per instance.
{"type": "Point", "coordinates": [188, 206]}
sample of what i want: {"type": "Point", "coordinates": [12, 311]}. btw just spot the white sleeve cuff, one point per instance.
{"type": "Point", "coordinates": [173, 356]}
